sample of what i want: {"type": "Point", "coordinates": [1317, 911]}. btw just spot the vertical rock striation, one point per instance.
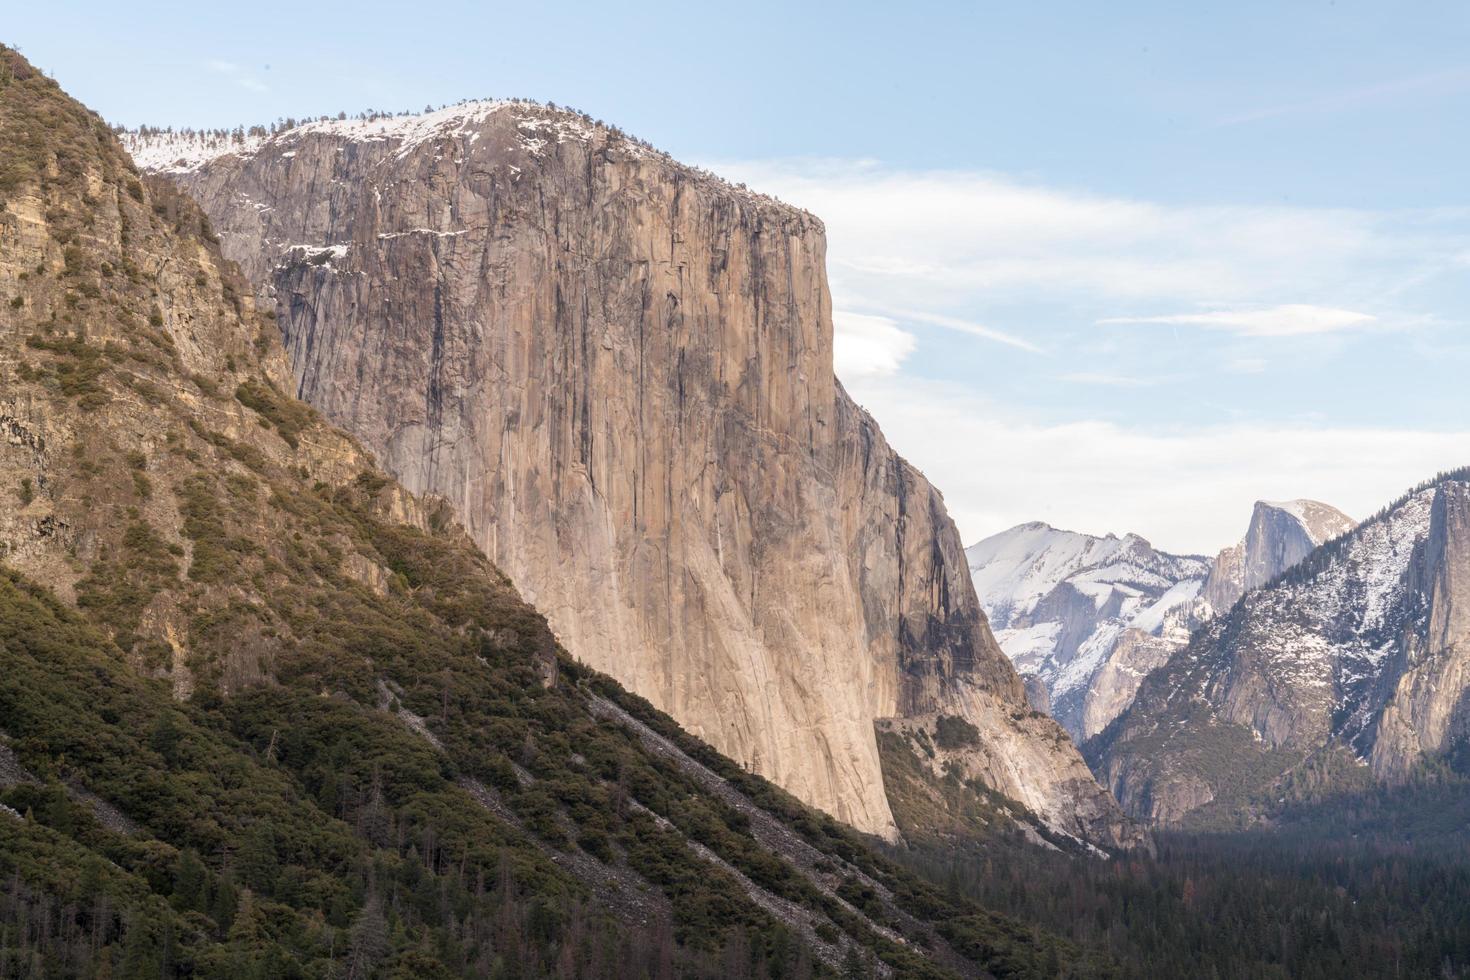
{"type": "Point", "coordinates": [618, 370]}
{"type": "Point", "coordinates": [1279, 536]}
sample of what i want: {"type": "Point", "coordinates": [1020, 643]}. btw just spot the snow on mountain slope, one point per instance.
{"type": "Point", "coordinates": [1016, 569]}
{"type": "Point", "coordinates": [1090, 616]}
{"type": "Point", "coordinates": [1060, 601]}
{"type": "Point", "coordinates": [1281, 533]}
{"type": "Point", "coordinates": [176, 152]}
{"type": "Point", "coordinates": [1363, 647]}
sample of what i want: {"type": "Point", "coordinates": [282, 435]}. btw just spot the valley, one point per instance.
{"type": "Point", "coordinates": [438, 544]}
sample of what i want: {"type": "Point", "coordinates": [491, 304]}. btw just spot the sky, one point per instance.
{"type": "Point", "coordinates": [1117, 267]}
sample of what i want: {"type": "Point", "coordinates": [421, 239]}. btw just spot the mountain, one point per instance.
{"type": "Point", "coordinates": [1062, 602]}
{"type": "Point", "coordinates": [1089, 617]}
{"type": "Point", "coordinates": [1280, 535]}
{"type": "Point", "coordinates": [1352, 666]}
{"type": "Point", "coordinates": [618, 372]}
{"type": "Point", "coordinates": [267, 714]}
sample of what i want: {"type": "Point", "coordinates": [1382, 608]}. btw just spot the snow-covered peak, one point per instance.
{"type": "Point", "coordinates": [1078, 610]}
{"type": "Point", "coordinates": [1325, 634]}
{"type": "Point", "coordinates": [1362, 576]}
{"type": "Point", "coordinates": [1361, 645]}
{"type": "Point", "coordinates": [1015, 569]}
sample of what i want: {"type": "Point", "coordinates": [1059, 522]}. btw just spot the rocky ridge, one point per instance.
{"type": "Point", "coordinates": [618, 371]}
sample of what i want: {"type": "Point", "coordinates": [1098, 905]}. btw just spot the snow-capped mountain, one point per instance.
{"type": "Point", "coordinates": [1090, 616]}
{"type": "Point", "coordinates": [1360, 654]}
{"type": "Point", "coordinates": [1060, 602]}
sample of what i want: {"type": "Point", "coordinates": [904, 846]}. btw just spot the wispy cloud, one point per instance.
{"type": "Point", "coordinates": [975, 253]}
{"type": "Point", "coordinates": [950, 242]}
{"type": "Point", "coordinates": [1287, 320]}
{"type": "Point", "coordinates": [238, 74]}
{"type": "Point", "coordinates": [1386, 92]}
{"type": "Point", "coordinates": [969, 327]}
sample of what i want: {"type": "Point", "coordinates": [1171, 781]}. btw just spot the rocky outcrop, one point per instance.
{"type": "Point", "coordinates": [1428, 704]}
{"type": "Point", "coordinates": [1036, 693]}
{"type": "Point", "coordinates": [1355, 657]}
{"type": "Point", "coordinates": [618, 370]}
{"type": "Point", "coordinates": [1112, 688]}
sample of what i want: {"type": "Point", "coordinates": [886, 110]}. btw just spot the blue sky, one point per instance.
{"type": "Point", "coordinates": [1119, 266]}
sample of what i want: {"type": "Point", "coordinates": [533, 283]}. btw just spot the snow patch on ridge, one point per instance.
{"type": "Point", "coordinates": [1151, 620]}
{"type": "Point", "coordinates": [184, 152]}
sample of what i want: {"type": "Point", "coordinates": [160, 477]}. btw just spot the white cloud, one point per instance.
{"type": "Point", "coordinates": [950, 243]}
{"type": "Point", "coordinates": [1288, 320]}
{"type": "Point", "coordinates": [934, 241]}
{"type": "Point", "coordinates": [978, 252]}
{"type": "Point", "coordinates": [231, 70]}
{"type": "Point", "coordinates": [1186, 489]}
{"type": "Point", "coordinates": [866, 346]}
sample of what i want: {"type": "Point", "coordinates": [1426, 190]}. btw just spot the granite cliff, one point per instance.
{"type": "Point", "coordinates": [1279, 536]}
{"type": "Point", "coordinates": [618, 372]}
{"type": "Point", "coordinates": [260, 702]}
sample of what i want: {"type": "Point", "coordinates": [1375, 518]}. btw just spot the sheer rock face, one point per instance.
{"type": "Point", "coordinates": [619, 372]}
{"type": "Point", "coordinates": [1428, 706]}
{"type": "Point", "coordinates": [1279, 536]}
{"type": "Point", "coordinates": [1360, 652]}
{"type": "Point", "coordinates": [1112, 688]}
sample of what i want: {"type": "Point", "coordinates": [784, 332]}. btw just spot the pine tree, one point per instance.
{"type": "Point", "coordinates": [369, 942]}
{"type": "Point", "coordinates": [190, 881]}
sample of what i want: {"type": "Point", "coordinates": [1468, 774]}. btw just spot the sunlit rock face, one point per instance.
{"type": "Point", "coordinates": [618, 370]}
{"type": "Point", "coordinates": [1279, 536]}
